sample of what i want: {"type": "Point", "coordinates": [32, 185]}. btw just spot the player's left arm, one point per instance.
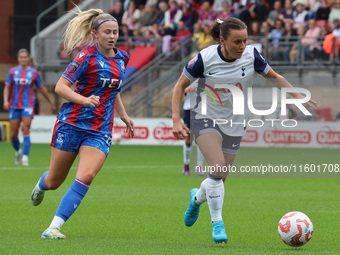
{"type": "Point", "coordinates": [280, 82]}
{"type": "Point", "coordinates": [123, 116]}
{"type": "Point", "coordinates": [44, 92]}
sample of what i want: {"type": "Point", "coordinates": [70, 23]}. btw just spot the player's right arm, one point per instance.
{"type": "Point", "coordinates": [6, 96]}
{"type": "Point", "coordinates": [179, 130]}
{"type": "Point", "coordinates": [63, 89]}
{"type": "Point", "coordinates": [192, 70]}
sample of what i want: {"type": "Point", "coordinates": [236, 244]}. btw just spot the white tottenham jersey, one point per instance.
{"type": "Point", "coordinates": [216, 69]}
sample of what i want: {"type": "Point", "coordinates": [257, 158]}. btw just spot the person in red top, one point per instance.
{"type": "Point", "coordinates": [183, 36]}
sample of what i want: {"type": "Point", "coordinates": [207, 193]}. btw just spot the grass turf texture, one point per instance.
{"type": "Point", "coordinates": [136, 205]}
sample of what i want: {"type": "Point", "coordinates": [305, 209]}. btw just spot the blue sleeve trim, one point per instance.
{"type": "Point", "coordinates": [194, 68]}
{"type": "Point", "coordinates": [260, 64]}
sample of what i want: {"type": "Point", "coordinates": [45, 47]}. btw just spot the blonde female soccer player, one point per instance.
{"type": "Point", "coordinates": [84, 124]}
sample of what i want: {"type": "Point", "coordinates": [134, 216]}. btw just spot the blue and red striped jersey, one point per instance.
{"type": "Point", "coordinates": [94, 74]}
{"type": "Point", "coordinates": [22, 85]}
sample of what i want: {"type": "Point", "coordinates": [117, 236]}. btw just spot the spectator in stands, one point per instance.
{"type": "Point", "coordinates": [274, 14]}
{"type": "Point", "coordinates": [331, 46]}
{"type": "Point", "coordinates": [253, 10]}
{"type": "Point", "coordinates": [206, 14]}
{"type": "Point", "coordinates": [287, 14]}
{"type": "Point", "coordinates": [294, 52]}
{"type": "Point", "coordinates": [255, 36]}
{"type": "Point", "coordinates": [310, 40]}
{"type": "Point", "coordinates": [226, 11]}
{"type": "Point", "coordinates": [198, 32]}
{"type": "Point", "coordinates": [335, 12]}
{"type": "Point", "coordinates": [117, 11]}
{"type": "Point", "coordinates": [265, 36]}
{"type": "Point", "coordinates": [322, 13]}
{"type": "Point", "coordinates": [152, 35]}
{"type": "Point", "coordinates": [336, 28]}
{"type": "Point", "coordinates": [171, 18]}
{"type": "Point", "coordinates": [125, 36]}
{"type": "Point", "coordinates": [206, 39]}
{"type": "Point", "coordinates": [254, 30]}
{"type": "Point", "coordinates": [183, 38]}
{"type": "Point", "coordinates": [300, 15]}
{"type": "Point", "coordinates": [275, 36]}
{"type": "Point", "coordinates": [163, 7]}
{"type": "Point", "coordinates": [288, 39]}
{"type": "Point", "coordinates": [218, 5]}
{"type": "Point", "coordinates": [236, 8]}
{"type": "Point", "coordinates": [132, 17]}
{"type": "Point", "coordinates": [190, 16]}
{"type": "Point", "coordinates": [149, 15]}
{"type": "Point", "coordinates": [313, 6]}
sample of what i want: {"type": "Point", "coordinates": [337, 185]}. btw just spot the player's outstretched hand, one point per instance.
{"type": "Point", "coordinates": [310, 104]}
{"type": "Point", "coordinates": [130, 127]}
{"type": "Point", "coordinates": [180, 130]}
{"type": "Point", "coordinates": [92, 101]}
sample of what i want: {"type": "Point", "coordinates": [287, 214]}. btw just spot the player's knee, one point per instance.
{"type": "Point", "coordinates": [25, 130]}
{"type": "Point", "coordinates": [87, 177]}
{"type": "Point", "coordinates": [217, 168]}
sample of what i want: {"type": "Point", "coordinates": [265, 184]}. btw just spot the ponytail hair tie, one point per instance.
{"type": "Point", "coordinates": [220, 21]}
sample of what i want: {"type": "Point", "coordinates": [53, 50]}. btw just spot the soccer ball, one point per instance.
{"type": "Point", "coordinates": [295, 229]}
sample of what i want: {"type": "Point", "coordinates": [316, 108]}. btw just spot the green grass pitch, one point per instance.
{"type": "Point", "coordinates": [136, 205]}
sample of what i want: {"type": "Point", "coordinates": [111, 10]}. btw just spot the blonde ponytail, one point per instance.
{"type": "Point", "coordinates": [79, 29]}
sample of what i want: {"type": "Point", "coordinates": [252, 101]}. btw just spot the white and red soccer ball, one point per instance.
{"type": "Point", "coordinates": [295, 229]}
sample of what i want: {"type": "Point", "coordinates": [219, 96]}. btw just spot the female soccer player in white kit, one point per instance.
{"type": "Point", "coordinates": [230, 62]}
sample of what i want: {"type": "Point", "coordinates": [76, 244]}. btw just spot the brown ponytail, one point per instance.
{"type": "Point", "coordinates": [222, 27]}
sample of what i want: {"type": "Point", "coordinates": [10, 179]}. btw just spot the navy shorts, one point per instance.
{"type": "Point", "coordinates": [186, 118]}
{"type": "Point", "coordinates": [17, 114]}
{"type": "Point", "coordinates": [230, 144]}
{"type": "Point", "coordinates": [67, 137]}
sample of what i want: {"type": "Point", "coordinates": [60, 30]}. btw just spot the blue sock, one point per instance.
{"type": "Point", "coordinates": [16, 144]}
{"type": "Point", "coordinates": [26, 145]}
{"type": "Point", "coordinates": [42, 181]}
{"type": "Point", "coordinates": [72, 199]}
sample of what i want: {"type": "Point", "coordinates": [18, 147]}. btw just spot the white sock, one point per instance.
{"type": "Point", "coordinates": [201, 196]}
{"type": "Point", "coordinates": [186, 153]}
{"type": "Point", "coordinates": [24, 158]}
{"type": "Point", "coordinates": [215, 198]}
{"type": "Point", "coordinates": [200, 157]}
{"type": "Point", "coordinates": [57, 222]}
